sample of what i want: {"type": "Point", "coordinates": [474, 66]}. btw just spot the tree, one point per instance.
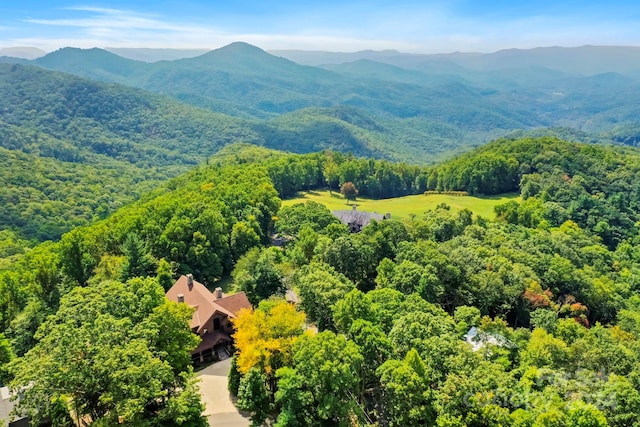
{"type": "Point", "coordinates": [122, 350]}
{"type": "Point", "coordinates": [258, 273]}
{"type": "Point", "coordinates": [349, 191]}
{"type": "Point", "coordinates": [374, 346]}
{"type": "Point", "coordinates": [296, 402]}
{"type": "Point", "coordinates": [244, 237]}
{"type": "Point", "coordinates": [351, 307]}
{"type": "Point", "coordinates": [406, 388]}
{"type": "Point", "coordinates": [6, 355]}
{"type": "Point", "coordinates": [582, 414]}
{"type": "Point", "coordinates": [544, 349]}
{"type": "Point", "coordinates": [139, 260]}
{"type": "Point", "coordinates": [253, 396]}
{"type": "Point", "coordinates": [353, 258]}
{"type": "Point", "coordinates": [77, 257]}
{"type": "Point", "coordinates": [320, 288]}
{"type": "Point", "coordinates": [265, 337]}
{"type": "Point", "coordinates": [234, 376]}
{"type": "Point", "coordinates": [331, 173]}
{"type": "Point", "coordinates": [165, 274]}
{"type": "Point", "coordinates": [293, 218]}
{"type": "Point", "coordinates": [326, 368]}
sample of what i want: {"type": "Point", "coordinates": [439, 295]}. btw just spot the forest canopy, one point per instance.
{"type": "Point", "coordinates": [444, 319]}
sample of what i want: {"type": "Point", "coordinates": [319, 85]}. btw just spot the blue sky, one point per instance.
{"type": "Point", "coordinates": [426, 26]}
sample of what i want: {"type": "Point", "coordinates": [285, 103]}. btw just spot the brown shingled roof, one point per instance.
{"type": "Point", "coordinates": [205, 303]}
{"type": "Point", "coordinates": [234, 303]}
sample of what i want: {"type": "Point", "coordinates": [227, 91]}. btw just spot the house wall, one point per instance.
{"type": "Point", "coordinates": [225, 324]}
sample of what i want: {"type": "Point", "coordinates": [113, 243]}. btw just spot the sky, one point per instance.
{"type": "Point", "coordinates": [426, 26]}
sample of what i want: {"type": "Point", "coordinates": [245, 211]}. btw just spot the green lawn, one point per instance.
{"type": "Point", "coordinates": [403, 207]}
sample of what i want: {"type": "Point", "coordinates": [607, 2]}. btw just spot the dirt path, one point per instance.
{"type": "Point", "coordinates": [220, 410]}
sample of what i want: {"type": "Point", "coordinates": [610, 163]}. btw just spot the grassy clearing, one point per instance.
{"type": "Point", "coordinates": [404, 207]}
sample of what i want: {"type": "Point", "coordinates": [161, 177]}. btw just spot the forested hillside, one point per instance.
{"type": "Point", "coordinates": [76, 150]}
{"type": "Point", "coordinates": [442, 319]}
{"type": "Point", "coordinates": [595, 186]}
{"type": "Point", "coordinates": [414, 121]}
{"type": "Point", "coordinates": [435, 104]}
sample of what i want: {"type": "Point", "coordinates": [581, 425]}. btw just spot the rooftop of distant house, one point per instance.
{"type": "Point", "coordinates": [356, 220]}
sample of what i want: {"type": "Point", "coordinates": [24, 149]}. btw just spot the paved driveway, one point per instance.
{"type": "Point", "coordinates": [220, 410]}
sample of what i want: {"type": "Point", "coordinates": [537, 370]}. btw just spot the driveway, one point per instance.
{"type": "Point", "coordinates": [220, 410]}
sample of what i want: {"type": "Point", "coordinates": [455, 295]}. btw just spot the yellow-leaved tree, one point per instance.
{"type": "Point", "coordinates": [264, 337]}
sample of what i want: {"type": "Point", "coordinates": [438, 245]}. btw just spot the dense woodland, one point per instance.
{"type": "Point", "coordinates": [550, 286]}
{"type": "Point", "coordinates": [76, 150]}
{"type": "Point", "coordinates": [64, 131]}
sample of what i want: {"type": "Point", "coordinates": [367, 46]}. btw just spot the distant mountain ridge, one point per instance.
{"type": "Point", "coordinates": [23, 52]}
{"type": "Point", "coordinates": [585, 60]}
{"type": "Point", "coordinates": [425, 106]}
{"type": "Point", "coordinates": [588, 59]}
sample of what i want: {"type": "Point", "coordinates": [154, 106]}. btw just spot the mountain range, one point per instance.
{"type": "Point", "coordinates": [156, 119]}
{"type": "Point", "coordinates": [425, 106]}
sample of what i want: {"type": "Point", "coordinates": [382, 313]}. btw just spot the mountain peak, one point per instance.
{"type": "Point", "coordinates": [236, 49]}
{"type": "Point", "coordinates": [97, 63]}
{"type": "Point", "coordinates": [242, 47]}
{"type": "Point", "coordinates": [237, 55]}
{"type": "Point", "coordinates": [78, 53]}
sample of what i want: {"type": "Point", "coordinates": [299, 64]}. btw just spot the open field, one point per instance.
{"type": "Point", "coordinates": [404, 207]}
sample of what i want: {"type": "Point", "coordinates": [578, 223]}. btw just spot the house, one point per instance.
{"type": "Point", "coordinates": [211, 318]}
{"type": "Point", "coordinates": [6, 406]}
{"type": "Point", "coordinates": [479, 339]}
{"type": "Point", "coordinates": [357, 220]}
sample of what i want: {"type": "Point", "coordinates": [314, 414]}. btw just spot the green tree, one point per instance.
{"type": "Point", "coordinates": [165, 274]}
{"type": "Point", "coordinates": [581, 414]}
{"type": "Point", "coordinates": [295, 400]}
{"type": "Point", "coordinates": [321, 287]}
{"type": "Point", "coordinates": [407, 395]}
{"type": "Point", "coordinates": [375, 348]}
{"type": "Point", "coordinates": [353, 258]}
{"type": "Point", "coordinates": [353, 306]}
{"type": "Point", "coordinates": [234, 376]}
{"type": "Point", "coordinates": [243, 238]}
{"type": "Point", "coordinates": [102, 337]}
{"type": "Point", "coordinates": [327, 368]}
{"type": "Point", "coordinates": [331, 173]}
{"type": "Point", "coordinates": [77, 257]}
{"type": "Point", "coordinates": [6, 355]}
{"type": "Point", "coordinates": [253, 396]}
{"type": "Point", "coordinates": [291, 219]}
{"type": "Point", "coordinates": [140, 263]}
{"type": "Point", "coordinates": [259, 274]}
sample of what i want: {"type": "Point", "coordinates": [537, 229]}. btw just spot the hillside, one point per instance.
{"type": "Point", "coordinates": [438, 104]}
{"type": "Point", "coordinates": [412, 316]}
{"type": "Point", "coordinates": [594, 186]}
{"type": "Point", "coordinates": [43, 197]}
{"type": "Point", "coordinates": [80, 133]}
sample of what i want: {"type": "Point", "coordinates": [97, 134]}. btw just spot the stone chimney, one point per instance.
{"type": "Point", "coordinates": [190, 280]}
{"type": "Point", "coordinates": [218, 293]}
{"type": "Point", "coordinates": [180, 297]}
{"type": "Point", "coordinates": [387, 215]}
{"type": "Point", "coordinates": [353, 207]}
